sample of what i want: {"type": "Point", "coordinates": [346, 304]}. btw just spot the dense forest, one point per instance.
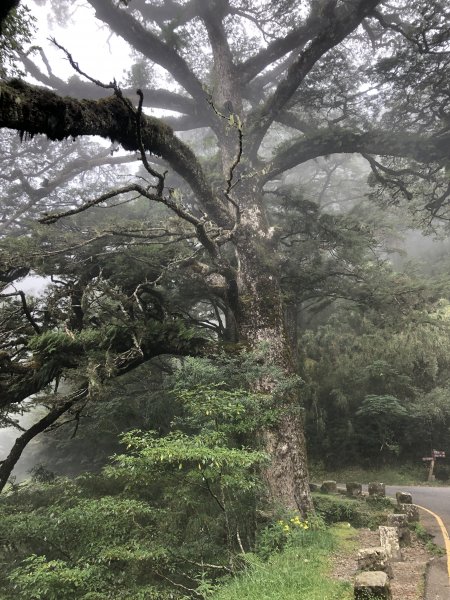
{"type": "Point", "coordinates": [229, 260]}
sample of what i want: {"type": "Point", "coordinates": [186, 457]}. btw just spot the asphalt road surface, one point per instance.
{"type": "Point", "coordinates": [436, 499]}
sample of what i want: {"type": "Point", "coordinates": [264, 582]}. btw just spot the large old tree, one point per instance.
{"type": "Point", "coordinates": [310, 79]}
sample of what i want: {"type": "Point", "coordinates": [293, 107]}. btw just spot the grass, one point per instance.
{"type": "Point", "coordinates": [299, 571]}
{"type": "Point", "coordinates": [427, 538]}
{"type": "Point", "coordinates": [405, 475]}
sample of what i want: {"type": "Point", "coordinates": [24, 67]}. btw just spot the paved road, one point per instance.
{"type": "Point", "coordinates": [436, 499]}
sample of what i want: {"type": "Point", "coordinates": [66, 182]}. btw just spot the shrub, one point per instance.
{"type": "Point", "coordinates": [358, 513]}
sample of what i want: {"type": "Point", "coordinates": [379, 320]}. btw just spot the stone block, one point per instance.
{"type": "Point", "coordinates": [401, 522]}
{"type": "Point", "coordinates": [328, 487]}
{"type": "Point", "coordinates": [389, 540]}
{"type": "Point", "coordinates": [403, 498]}
{"type": "Point", "coordinates": [314, 487]}
{"type": "Point", "coordinates": [353, 488]}
{"type": "Point", "coordinates": [374, 559]}
{"type": "Point", "coordinates": [377, 489]}
{"type": "Point", "coordinates": [372, 585]}
{"type": "Point", "coordinates": [411, 511]}
{"type": "Point", "coordinates": [397, 520]}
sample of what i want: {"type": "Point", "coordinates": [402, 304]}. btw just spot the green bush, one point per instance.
{"type": "Point", "coordinates": [170, 514]}
{"type": "Point", "coordinates": [289, 530]}
{"type": "Point", "coordinates": [358, 513]}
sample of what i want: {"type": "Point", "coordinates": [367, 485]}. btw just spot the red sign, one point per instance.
{"type": "Point", "coordinates": [438, 454]}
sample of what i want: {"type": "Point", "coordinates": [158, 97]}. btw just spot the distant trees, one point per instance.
{"type": "Point", "coordinates": [378, 391]}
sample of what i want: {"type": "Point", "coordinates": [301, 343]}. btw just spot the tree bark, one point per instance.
{"type": "Point", "coordinates": [261, 324]}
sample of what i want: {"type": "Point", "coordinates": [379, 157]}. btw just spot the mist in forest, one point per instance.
{"type": "Point", "coordinates": [224, 271]}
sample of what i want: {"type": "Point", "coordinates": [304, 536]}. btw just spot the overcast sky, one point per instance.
{"type": "Point", "coordinates": [98, 52]}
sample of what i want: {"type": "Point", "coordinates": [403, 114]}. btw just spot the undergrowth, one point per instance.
{"type": "Point", "coordinates": [301, 570]}
{"type": "Point", "coordinates": [427, 538]}
{"type": "Point", "coordinates": [404, 475]}
{"type": "Point", "coordinates": [370, 513]}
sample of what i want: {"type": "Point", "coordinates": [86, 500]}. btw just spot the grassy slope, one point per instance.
{"type": "Point", "coordinates": [407, 475]}
{"type": "Point", "coordinates": [300, 571]}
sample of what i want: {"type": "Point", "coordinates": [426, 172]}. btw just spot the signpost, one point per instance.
{"type": "Point", "coordinates": [438, 454]}
{"type": "Point", "coordinates": [432, 459]}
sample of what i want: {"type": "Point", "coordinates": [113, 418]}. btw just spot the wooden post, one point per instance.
{"type": "Point", "coordinates": [431, 470]}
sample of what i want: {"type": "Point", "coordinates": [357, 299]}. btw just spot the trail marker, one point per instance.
{"type": "Point", "coordinates": [432, 459]}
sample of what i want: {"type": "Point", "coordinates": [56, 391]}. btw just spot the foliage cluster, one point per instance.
{"type": "Point", "coordinates": [166, 519]}
{"type": "Point", "coordinates": [17, 32]}
{"type": "Point", "coordinates": [372, 388]}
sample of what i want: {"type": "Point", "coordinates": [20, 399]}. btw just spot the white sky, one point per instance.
{"type": "Point", "coordinates": [98, 53]}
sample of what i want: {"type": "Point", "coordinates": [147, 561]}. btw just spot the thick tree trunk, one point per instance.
{"type": "Point", "coordinates": [261, 323]}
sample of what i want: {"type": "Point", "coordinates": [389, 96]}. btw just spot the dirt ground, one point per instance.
{"type": "Point", "coordinates": [409, 574]}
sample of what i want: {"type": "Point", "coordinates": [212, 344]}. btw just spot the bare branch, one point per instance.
{"type": "Point", "coordinates": [336, 24]}
{"type": "Point", "coordinates": [172, 201]}
{"type": "Point", "coordinates": [25, 308]}
{"type": "Point", "coordinates": [148, 168]}
{"type": "Point", "coordinates": [212, 494]}
{"type": "Point", "coordinates": [76, 67]}
{"type": "Point", "coordinates": [233, 121]}
{"type": "Point", "coordinates": [8, 464]}
{"type": "Point", "coordinates": [49, 219]}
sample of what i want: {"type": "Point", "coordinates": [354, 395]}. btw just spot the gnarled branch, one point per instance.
{"type": "Point", "coordinates": [32, 110]}
{"type": "Point", "coordinates": [336, 25]}
{"type": "Point", "coordinates": [335, 141]}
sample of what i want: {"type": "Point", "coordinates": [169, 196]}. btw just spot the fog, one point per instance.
{"type": "Point", "coordinates": [8, 436]}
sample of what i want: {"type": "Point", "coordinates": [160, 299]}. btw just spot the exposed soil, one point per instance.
{"type": "Point", "coordinates": [409, 574]}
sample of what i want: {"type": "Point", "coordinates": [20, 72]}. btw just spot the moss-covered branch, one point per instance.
{"type": "Point", "coordinates": [385, 143]}
{"type": "Point", "coordinates": [32, 110]}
